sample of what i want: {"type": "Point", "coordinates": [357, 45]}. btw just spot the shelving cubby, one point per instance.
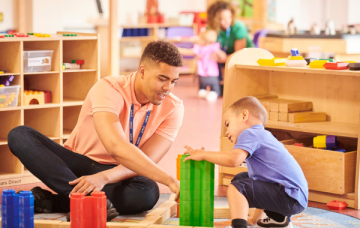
{"type": "Point", "coordinates": [331, 175]}
{"type": "Point", "coordinates": [69, 88]}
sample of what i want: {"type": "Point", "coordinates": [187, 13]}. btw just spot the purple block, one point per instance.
{"type": "Point", "coordinates": [331, 142]}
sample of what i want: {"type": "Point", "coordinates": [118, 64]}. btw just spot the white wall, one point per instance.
{"type": "Point", "coordinates": [353, 11]}
{"type": "Point", "coordinates": [6, 8]}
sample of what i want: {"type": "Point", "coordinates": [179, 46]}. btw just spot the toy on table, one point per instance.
{"type": "Point", "coordinates": [197, 193]}
{"type": "Point", "coordinates": [9, 35]}
{"type": "Point", "coordinates": [329, 60]}
{"type": "Point", "coordinates": [88, 211]}
{"type": "Point", "coordinates": [75, 64]}
{"type": "Point", "coordinates": [6, 80]}
{"type": "Point", "coordinates": [17, 210]}
{"type": "Point", "coordinates": [354, 66]}
{"type": "Point", "coordinates": [337, 205]}
{"type": "Point", "coordinates": [41, 97]}
{"type": "Point", "coordinates": [41, 35]}
{"type": "Point", "coordinates": [336, 66]}
{"type": "Point", "coordinates": [21, 35]}
{"type": "Point", "coordinates": [295, 60]}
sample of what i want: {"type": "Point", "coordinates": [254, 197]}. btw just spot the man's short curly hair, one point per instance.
{"type": "Point", "coordinates": [161, 51]}
{"type": "Point", "coordinates": [213, 17]}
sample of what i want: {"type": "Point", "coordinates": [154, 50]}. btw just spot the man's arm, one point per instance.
{"type": "Point", "coordinates": [155, 148]}
{"type": "Point", "coordinates": [112, 136]}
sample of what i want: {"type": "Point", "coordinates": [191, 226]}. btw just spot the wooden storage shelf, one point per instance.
{"type": "Point", "coordinates": [68, 88]}
{"type": "Point", "coordinates": [331, 175]}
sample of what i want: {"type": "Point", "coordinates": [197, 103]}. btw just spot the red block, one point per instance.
{"type": "Point", "coordinates": [2, 36]}
{"type": "Point", "coordinates": [298, 144]}
{"type": "Point", "coordinates": [89, 211]}
{"type": "Point", "coordinates": [79, 62]}
{"type": "Point", "coordinates": [337, 205]}
{"type": "Point", "coordinates": [336, 66]}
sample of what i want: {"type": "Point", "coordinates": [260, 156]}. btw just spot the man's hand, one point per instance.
{"type": "Point", "coordinates": [87, 184]}
{"type": "Point", "coordinates": [196, 155]}
{"type": "Point", "coordinates": [174, 186]}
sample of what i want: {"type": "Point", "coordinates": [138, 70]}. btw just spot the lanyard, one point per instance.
{"type": "Point", "coordinates": [131, 126]}
{"type": "Point", "coordinates": [225, 47]}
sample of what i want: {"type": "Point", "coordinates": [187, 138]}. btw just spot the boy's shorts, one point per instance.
{"type": "Point", "coordinates": [265, 195]}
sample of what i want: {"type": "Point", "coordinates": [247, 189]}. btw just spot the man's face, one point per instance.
{"type": "Point", "coordinates": [158, 81]}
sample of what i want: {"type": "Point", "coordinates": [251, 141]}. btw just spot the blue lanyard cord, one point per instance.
{"type": "Point", "coordinates": [225, 47]}
{"type": "Point", "coordinates": [131, 126]}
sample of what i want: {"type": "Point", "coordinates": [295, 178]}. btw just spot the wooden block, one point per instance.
{"type": "Point", "coordinates": [46, 223]}
{"type": "Point", "coordinates": [266, 103]}
{"type": "Point", "coordinates": [274, 116]}
{"type": "Point", "coordinates": [284, 116]}
{"type": "Point", "coordinates": [267, 96]}
{"type": "Point", "coordinates": [165, 210]}
{"type": "Point", "coordinates": [152, 219]}
{"type": "Point", "coordinates": [295, 106]}
{"type": "Point", "coordinates": [172, 197]}
{"type": "Point", "coordinates": [64, 225]}
{"type": "Point", "coordinates": [168, 226]}
{"type": "Point", "coordinates": [125, 225]}
{"type": "Point", "coordinates": [305, 117]}
{"type": "Point", "coordinates": [221, 213]}
{"type": "Point", "coordinates": [274, 105]}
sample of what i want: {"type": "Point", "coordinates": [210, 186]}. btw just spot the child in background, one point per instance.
{"type": "Point", "coordinates": [207, 68]}
{"type": "Point", "coordinates": [274, 182]}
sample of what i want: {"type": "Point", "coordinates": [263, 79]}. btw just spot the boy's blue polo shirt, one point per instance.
{"type": "Point", "coordinates": [270, 161]}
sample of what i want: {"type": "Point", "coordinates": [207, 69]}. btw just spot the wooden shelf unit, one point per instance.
{"type": "Point", "coordinates": [333, 92]}
{"type": "Point", "coordinates": [68, 87]}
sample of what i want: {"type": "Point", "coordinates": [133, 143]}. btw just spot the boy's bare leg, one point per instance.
{"type": "Point", "coordinates": [259, 214]}
{"type": "Point", "coordinates": [239, 206]}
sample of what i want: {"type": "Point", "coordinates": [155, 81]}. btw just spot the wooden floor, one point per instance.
{"type": "Point", "coordinates": [201, 127]}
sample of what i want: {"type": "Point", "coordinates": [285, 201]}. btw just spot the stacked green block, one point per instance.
{"type": "Point", "coordinates": [196, 193]}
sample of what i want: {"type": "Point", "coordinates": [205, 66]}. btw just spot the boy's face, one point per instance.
{"type": "Point", "coordinates": [235, 124]}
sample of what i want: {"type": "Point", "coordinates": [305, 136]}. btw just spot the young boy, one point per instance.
{"type": "Point", "coordinates": [274, 182]}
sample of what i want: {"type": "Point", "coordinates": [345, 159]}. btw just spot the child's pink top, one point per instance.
{"type": "Point", "coordinates": [205, 65]}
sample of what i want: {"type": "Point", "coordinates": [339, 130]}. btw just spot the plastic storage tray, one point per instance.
{"type": "Point", "coordinates": [9, 96]}
{"type": "Point", "coordinates": [37, 60]}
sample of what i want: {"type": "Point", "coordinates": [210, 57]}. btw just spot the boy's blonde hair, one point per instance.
{"type": "Point", "coordinates": [209, 36]}
{"type": "Point", "coordinates": [253, 105]}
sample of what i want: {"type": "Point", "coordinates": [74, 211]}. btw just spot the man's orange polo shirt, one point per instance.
{"type": "Point", "coordinates": [116, 94]}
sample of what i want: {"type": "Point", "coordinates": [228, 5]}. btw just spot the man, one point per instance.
{"type": "Point", "coordinates": [126, 125]}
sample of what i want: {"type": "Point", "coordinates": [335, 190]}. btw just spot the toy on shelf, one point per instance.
{"type": "Point", "coordinates": [317, 63]}
{"type": "Point", "coordinates": [329, 60]}
{"type": "Point", "coordinates": [41, 35]}
{"type": "Point", "coordinates": [70, 34]}
{"type": "Point", "coordinates": [295, 60]}
{"type": "Point", "coordinates": [354, 66]}
{"type": "Point", "coordinates": [336, 66]}
{"type": "Point", "coordinates": [88, 211]}
{"type": "Point", "coordinates": [6, 80]}
{"type": "Point", "coordinates": [75, 64]}
{"type": "Point", "coordinates": [21, 35]}
{"type": "Point", "coordinates": [294, 52]}
{"type": "Point", "coordinates": [17, 210]}
{"type": "Point", "coordinates": [348, 61]}
{"type": "Point", "coordinates": [2, 71]}
{"type": "Point", "coordinates": [272, 62]}
{"type": "Point", "coordinates": [37, 97]}
{"type": "Point", "coordinates": [327, 142]}
{"type": "Point", "coordinates": [309, 60]}
{"type": "Point", "coordinates": [9, 96]}
{"type": "Point", "coordinates": [197, 193]}
{"type": "Point", "coordinates": [299, 144]}
{"type": "Point", "coordinates": [337, 205]}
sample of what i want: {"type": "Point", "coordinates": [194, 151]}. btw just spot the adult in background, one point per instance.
{"type": "Point", "coordinates": [232, 34]}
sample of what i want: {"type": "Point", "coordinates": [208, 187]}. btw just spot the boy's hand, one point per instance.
{"type": "Point", "coordinates": [196, 155]}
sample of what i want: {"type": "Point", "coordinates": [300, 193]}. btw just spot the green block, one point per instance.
{"type": "Point", "coordinates": [207, 196]}
{"type": "Point", "coordinates": [196, 205]}
{"type": "Point", "coordinates": [197, 174]}
{"type": "Point", "coordinates": [329, 60]}
{"type": "Point", "coordinates": [188, 164]}
{"type": "Point", "coordinates": [186, 185]}
{"type": "Point", "coordinates": [197, 185]}
{"type": "Point", "coordinates": [208, 175]}
{"type": "Point", "coordinates": [205, 224]}
{"type": "Point", "coordinates": [186, 174]}
{"type": "Point", "coordinates": [186, 195]}
{"type": "Point", "coordinates": [196, 216]}
{"type": "Point", "coordinates": [206, 206]}
{"type": "Point", "coordinates": [207, 185]}
{"type": "Point", "coordinates": [182, 223]}
{"type": "Point", "coordinates": [207, 217]}
{"type": "Point", "coordinates": [186, 216]}
{"type": "Point", "coordinates": [205, 165]}
{"type": "Point", "coordinates": [73, 61]}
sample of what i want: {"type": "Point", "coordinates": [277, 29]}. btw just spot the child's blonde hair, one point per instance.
{"type": "Point", "coordinates": [209, 36]}
{"type": "Point", "coordinates": [253, 105]}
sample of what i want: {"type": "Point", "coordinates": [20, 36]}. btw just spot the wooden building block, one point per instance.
{"type": "Point", "coordinates": [274, 105]}
{"type": "Point", "coordinates": [46, 223]}
{"type": "Point", "coordinates": [274, 116]}
{"type": "Point", "coordinates": [266, 103]}
{"type": "Point", "coordinates": [172, 197]}
{"type": "Point", "coordinates": [222, 213]}
{"type": "Point", "coordinates": [125, 225]}
{"type": "Point", "coordinates": [165, 210]}
{"type": "Point", "coordinates": [305, 117]}
{"type": "Point", "coordinates": [283, 116]}
{"type": "Point", "coordinates": [267, 96]}
{"type": "Point", "coordinates": [295, 106]}
{"type": "Point", "coordinates": [64, 225]}
{"type": "Point", "coordinates": [152, 219]}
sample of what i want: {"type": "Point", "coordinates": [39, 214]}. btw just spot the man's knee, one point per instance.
{"type": "Point", "coordinates": [150, 191]}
